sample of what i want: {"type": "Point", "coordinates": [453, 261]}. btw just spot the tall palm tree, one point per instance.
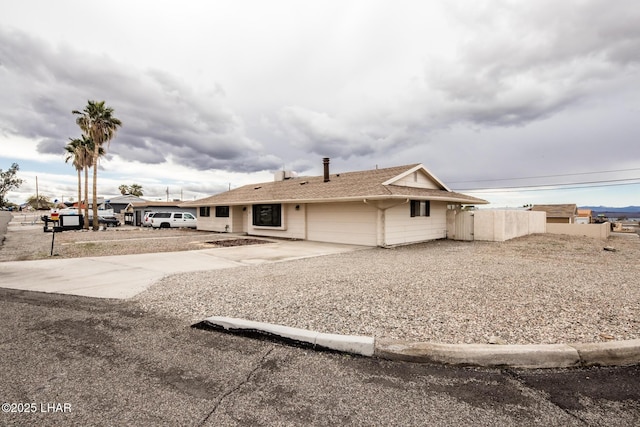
{"type": "Point", "coordinates": [98, 124]}
{"type": "Point", "coordinates": [136, 190]}
{"type": "Point", "coordinates": [74, 152]}
{"type": "Point", "coordinates": [81, 149]}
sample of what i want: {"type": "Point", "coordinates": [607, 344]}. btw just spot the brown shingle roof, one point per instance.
{"type": "Point", "coordinates": [558, 211]}
{"type": "Point", "coordinates": [346, 186]}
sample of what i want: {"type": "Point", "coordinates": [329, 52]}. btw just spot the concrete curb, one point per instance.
{"type": "Point", "coordinates": [615, 353]}
{"type": "Point", "coordinates": [354, 344]}
{"type": "Point", "coordinates": [488, 355]}
{"type": "Point", "coordinates": [534, 356]}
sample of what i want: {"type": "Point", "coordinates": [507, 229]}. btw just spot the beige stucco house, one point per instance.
{"type": "Point", "coordinates": [558, 214]}
{"type": "Point", "coordinates": [378, 207]}
{"type": "Point", "coordinates": [584, 216]}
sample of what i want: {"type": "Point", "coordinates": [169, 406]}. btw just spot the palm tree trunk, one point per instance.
{"type": "Point", "coordinates": [86, 197]}
{"type": "Point", "coordinates": [79, 189]}
{"type": "Point", "coordinates": [95, 186]}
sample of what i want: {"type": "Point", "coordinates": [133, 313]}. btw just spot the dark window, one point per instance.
{"type": "Point", "coordinates": [415, 208]}
{"type": "Point", "coordinates": [267, 215]}
{"type": "Point", "coordinates": [205, 211]}
{"type": "Point", "coordinates": [177, 215]}
{"type": "Point", "coordinates": [222, 211]}
{"type": "Point", "coordinates": [420, 208]}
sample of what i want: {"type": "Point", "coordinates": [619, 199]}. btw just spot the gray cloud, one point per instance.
{"type": "Point", "coordinates": [516, 64]}
{"type": "Point", "coordinates": [323, 134]}
{"type": "Point", "coordinates": [528, 62]}
{"type": "Point", "coordinates": [162, 116]}
{"type": "Point", "coordinates": [491, 89]}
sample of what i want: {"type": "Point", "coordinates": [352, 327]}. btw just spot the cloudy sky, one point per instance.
{"type": "Point", "coordinates": [538, 98]}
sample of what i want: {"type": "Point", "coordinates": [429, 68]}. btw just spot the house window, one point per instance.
{"type": "Point", "coordinates": [267, 215]}
{"type": "Point", "coordinates": [222, 211]}
{"type": "Point", "coordinates": [205, 211]}
{"type": "Point", "coordinates": [420, 208]}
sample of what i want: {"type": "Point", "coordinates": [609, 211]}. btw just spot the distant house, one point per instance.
{"type": "Point", "coordinates": [558, 214]}
{"type": "Point", "coordinates": [584, 216]}
{"type": "Point", "coordinates": [378, 207]}
{"type": "Point", "coordinates": [120, 203]}
{"type": "Point", "coordinates": [134, 212]}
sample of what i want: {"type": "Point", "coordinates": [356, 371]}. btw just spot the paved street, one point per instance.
{"type": "Point", "coordinates": [82, 361]}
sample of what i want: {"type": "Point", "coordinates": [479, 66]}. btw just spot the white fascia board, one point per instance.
{"type": "Point", "coordinates": [414, 169]}
{"type": "Point", "coordinates": [443, 198]}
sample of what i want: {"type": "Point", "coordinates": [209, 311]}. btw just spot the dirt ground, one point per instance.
{"type": "Point", "coordinates": [26, 240]}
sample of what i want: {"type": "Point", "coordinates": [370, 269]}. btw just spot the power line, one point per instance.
{"type": "Point", "coordinates": [547, 176]}
{"type": "Point", "coordinates": [552, 187]}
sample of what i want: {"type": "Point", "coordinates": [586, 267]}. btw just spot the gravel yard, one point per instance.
{"type": "Point", "coordinates": [28, 242]}
{"type": "Point", "coordinates": [537, 289]}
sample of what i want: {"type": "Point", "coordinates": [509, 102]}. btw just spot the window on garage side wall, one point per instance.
{"type": "Point", "coordinates": [222, 211]}
{"type": "Point", "coordinates": [420, 208]}
{"type": "Point", "coordinates": [267, 215]}
{"type": "Point", "coordinates": [205, 211]}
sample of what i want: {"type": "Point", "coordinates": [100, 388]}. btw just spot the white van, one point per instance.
{"type": "Point", "coordinates": [173, 220]}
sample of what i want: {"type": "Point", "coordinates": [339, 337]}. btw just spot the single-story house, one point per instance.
{"type": "Point", "coordinates": [558, 214]}
{"type": "Point", "coordinates": [584, 216]}
{"type": "Point", "coordinates": [120, 203]}
{"type": "Point", "coordinates": [378, 207]}
{"type": "Point", "coordinates": [134, 212]}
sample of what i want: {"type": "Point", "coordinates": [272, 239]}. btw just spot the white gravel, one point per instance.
{"type": "Point", "coordinates": [532, 290]}
{"type": "Point", "coordinates": [537, 289]}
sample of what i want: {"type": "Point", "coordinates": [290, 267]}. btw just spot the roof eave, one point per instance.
{"type": "Point", "coordinates": [443, 198]}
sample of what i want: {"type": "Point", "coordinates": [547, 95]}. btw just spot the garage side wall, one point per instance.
{"type": "Point", "coordinates": [401, 228]}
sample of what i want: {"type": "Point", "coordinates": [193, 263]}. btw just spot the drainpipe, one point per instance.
{"type": "Point", "coordinates": [382, 212]}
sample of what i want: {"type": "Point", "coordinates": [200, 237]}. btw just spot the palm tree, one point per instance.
{"type": "Point", "coordinates": [82, 151]}
{"type": "Point", "coordinates": [74, 151]}
{"type": "Point", "coordinates": [99, 125]}
{"type": "Point", "coordinates": [136, 190]}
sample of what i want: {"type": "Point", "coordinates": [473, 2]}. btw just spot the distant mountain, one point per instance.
{"type": "Point", "coordinates": [607, 209]}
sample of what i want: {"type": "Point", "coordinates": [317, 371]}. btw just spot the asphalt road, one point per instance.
{"type": "Point", "coordinates": [72, 360]}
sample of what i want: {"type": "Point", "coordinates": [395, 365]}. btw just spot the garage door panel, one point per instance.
{"type": "Point", "coordinates": [350, 223]}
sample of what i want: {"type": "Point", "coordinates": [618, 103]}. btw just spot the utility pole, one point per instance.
{"type": "Point", "coordinates": [37, 196]}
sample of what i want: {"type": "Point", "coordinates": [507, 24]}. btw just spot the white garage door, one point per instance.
{"type": "Point", "coordinates": [350, 223]}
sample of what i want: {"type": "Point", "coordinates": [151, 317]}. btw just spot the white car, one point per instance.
{"type": "Point", "coordinates": [146, 221]}
{"type": "Point", "coordinates": [173, 220]}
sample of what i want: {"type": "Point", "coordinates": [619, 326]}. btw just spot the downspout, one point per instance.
{"type": "Point", "coordinates": [382, 211]}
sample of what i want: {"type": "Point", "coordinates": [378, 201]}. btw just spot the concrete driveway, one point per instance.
{"type": "Point", "coordinates": [125, 276]}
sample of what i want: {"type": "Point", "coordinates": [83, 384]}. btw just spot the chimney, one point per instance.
{"type": "Point", "coordinates": [325, 163]}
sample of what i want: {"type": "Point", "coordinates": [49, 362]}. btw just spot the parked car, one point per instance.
{"type": "Point", "coordinates": [173, 220]}
{"type": "Point", "coordinates": [108, 221]}
{"type": "Point", "coordinates": [146, 221]}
